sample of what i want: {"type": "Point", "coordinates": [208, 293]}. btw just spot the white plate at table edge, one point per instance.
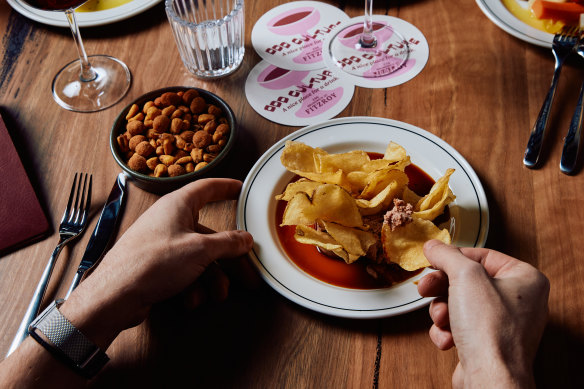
{"type": "Point", "coordinates": [496, 11]}
{"type": "Point", "coordinates": [84, 19]}
{"type": "Point", "coordinates": [256, 213]}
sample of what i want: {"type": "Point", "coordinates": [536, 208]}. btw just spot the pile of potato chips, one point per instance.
{"type": "Point", "coordinates": [337, 190]}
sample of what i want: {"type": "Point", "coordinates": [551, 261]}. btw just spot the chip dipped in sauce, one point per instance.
{"type": "Point", "coordinates": [342, 261]}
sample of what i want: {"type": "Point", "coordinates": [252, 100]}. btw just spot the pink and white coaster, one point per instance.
{"type": "Point", "coordinates": [291, 35]}
{"type": "Point", "coordinates": [364, 70]}
{"type": "Point", "coordinates": [296, 97]}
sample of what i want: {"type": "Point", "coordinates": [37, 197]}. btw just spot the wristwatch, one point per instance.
{"type": "Point", "coordinates": [66, 342]}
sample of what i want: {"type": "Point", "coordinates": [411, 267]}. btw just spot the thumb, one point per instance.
{"type": "Point", "coordinates": [447, 258]}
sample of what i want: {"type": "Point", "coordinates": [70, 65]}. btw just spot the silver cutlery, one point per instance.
{"type": "Point", "coordinates": [72, 224]}
{"type": "Point", "coordinates": [562, 46]}
{"type": "Point", "coordinates": [103, 232]}
{"type": "Point", "coordinates": [572, 140]}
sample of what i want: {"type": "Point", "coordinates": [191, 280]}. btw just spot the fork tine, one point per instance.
{"type": "Point", "coordinates": [88, 201]}
{"type": "Point", "coordinates": [75, 214]}
{"type": "Point", "coordinates": [67, 213]}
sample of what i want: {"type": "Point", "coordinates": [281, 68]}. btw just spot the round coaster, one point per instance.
{"type": "Point", "coordinates": [296, 98]}
{"type": "Point", "coordinates": [290, 36]}
{"type": "Point", "coordinates": [374, 68]}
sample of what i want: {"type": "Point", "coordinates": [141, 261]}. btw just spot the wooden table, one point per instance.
{"type": "Point", "coordinates": [480, 91]}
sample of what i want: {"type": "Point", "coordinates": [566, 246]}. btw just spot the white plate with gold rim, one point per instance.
{"type": "Point", "coordinates": [84, 19]}
{"type": "Point", "coordinates": [257, 207]}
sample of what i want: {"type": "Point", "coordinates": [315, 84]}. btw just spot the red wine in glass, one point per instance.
{"type": "Point", "coordinates": [90, 83]}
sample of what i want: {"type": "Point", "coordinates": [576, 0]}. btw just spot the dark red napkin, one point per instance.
{"type": "Point", "coordinates": [22, 219]}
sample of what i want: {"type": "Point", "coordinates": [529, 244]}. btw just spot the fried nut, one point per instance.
{"type": "Point", "coordinates": [204, 118]}
{"type": "Point", "coordinates": [138, 163]}
{"type": "Point", "coordinates": [152, 163]}
{"type": "Point", "coordinates": [214, 110]}
{"type": "Point", "coordinates": [145, 149]}
{"type": "Point", "coordinates": [161, 123]}
{"type": "Point", "coordinates": [217, 138]}
{"type": "Point", "coordinates": [180, 142]}
{"type": "Point", "coordinates": [214, 149]}
{"type": "Point", "coordinates": [135, 127]}
{"type": "Point", "coordinates": [189, 95]}
{"type": "Point", "coordinates": [177, 114]}
{"type": "Point", "coordinates": [123, 143]}
{"type": "Point", "coordinates": [207, 157]}
{"type": "Point", "coordinates": [176, 170]}
{"type": "Point", "coordinates": [201, 165]}
{"type": "Point", "coordinates": [198, 105]}
{"type": "Point", "coordinates": [147, 106]}
{"type": "Point", "coordinates": [135, 140]}
{"type": "Point", "coordinates": [197, 155]}
{"type": "Point", "coordinates": [170, 98]}
{"type": "Point", "coordinates": [190, 167]}
{"type": "Point", "coordinates": [176, 125]}
{"type": "Point", "coordinates": [210, 126]}
{"type": "Point", "coordinates": [168, 111]}
{"type": "Point", "coordinates": [160, 170]}
{"type": "Point", "coordinates": [134, 109]}
{"type": "Point", "coordinates": [166, 159]}
{"type": "Point", "coordinates": [183, 160]}
{"type": "Point", "coordinates": [139, 116]}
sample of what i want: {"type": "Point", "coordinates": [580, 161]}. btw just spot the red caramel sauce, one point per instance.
{"type": "Point", "coordinates": [292, 18]}
{"type": "Point", "coordinates": [335, 271]}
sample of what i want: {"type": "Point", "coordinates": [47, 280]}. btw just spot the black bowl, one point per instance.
{"type": "Point", "coordinates": [162, 185]}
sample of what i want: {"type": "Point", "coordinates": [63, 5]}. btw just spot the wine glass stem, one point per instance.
{"type": "Point", "coordinates": [367, 38]}
{"type": "Point", "coordinates": [87, 72]}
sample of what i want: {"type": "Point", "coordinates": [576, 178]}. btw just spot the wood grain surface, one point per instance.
{"type": "Point", "coordinates": [480, 91]}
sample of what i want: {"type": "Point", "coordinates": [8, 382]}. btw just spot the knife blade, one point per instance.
{"type": "Point", "coordinates": [103, 232]}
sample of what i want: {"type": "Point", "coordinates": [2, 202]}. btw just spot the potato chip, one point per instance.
{"type": "Point", "coordinates": [301, 186]}
{"type": "Point", "coordinates": [432, 205]}
{"type": "Point", "coordinates": [329, 202]}
{"type": "Point", "coordinates": [308, 235]}
{"type": "Point", "coordinates": [354, 241]}
{"type": "Point", "coordinates": [409, 196]}
{"type": "Point", "coordinates": [380, 179]}
{"type": "Point", "coordinates": [395, 152]}
{"type": "Point", "coordinates": [384, 198]}
{"type": "Point", "coordinates": [404, 245]}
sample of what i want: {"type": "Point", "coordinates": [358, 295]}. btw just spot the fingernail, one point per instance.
{"type": "Point", "coordinates": [432, 243]}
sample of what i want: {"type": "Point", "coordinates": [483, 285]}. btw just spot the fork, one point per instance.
{"type": "Point", "coordinates": [562, 46]}
{"type": "Point", "coordinates": [72, 225]}
{"type": "Point", "coordinates": [572, 140]}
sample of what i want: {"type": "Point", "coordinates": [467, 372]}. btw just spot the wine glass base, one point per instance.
{"type": "Point", "coordinates": [386, 54]}
{"type": "Point", "coordinates": [112, 81]}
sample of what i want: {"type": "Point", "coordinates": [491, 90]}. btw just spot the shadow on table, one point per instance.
{"type": "Point", "coordinates": [559, 359]}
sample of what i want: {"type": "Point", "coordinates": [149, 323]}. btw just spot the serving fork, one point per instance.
{"type": "Point", "coordinates": [562, 46]}
{"type": "Point", "coordinates": [572, 140]}
{"type": "Point", "coordinates": [72, 225]}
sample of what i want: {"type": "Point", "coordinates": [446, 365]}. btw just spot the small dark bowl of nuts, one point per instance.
{"type": "Point", "coordinates": [169, 137]}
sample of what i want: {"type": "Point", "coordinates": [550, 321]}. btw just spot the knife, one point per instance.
{"type": "Point", "coordinates": [103, 232]}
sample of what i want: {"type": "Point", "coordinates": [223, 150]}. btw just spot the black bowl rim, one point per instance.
{"type": "Point", "coordinates": [184, 177]}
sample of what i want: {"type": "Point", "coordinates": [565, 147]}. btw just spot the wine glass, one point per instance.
{"type": "Point", "coordinates": [368, 49]}
{"type": "Point", "coordinates": [91, 83]}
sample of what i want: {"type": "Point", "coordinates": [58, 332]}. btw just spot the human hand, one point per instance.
{"type": "Point", "coordinates": [162, 254]}
{"type": "Point", "coordinates": [492, 307]}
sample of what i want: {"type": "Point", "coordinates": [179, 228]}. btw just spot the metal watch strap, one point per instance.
{"type": "Point", "coordinates": [67, 342]}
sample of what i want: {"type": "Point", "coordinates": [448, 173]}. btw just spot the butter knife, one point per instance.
{"type": "Point", "coordinates": [103, 232]}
